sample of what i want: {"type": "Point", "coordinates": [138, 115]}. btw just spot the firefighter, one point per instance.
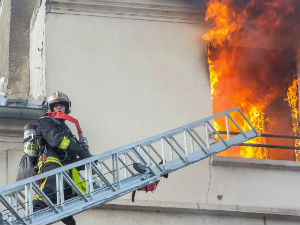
{"type": "Point", "coordinates": [59, 147]}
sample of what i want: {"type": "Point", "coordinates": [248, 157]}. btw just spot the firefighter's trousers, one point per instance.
{"type": "Point", "coordinates": [48, 185]}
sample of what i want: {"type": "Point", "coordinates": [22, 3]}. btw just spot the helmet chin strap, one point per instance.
{"type": "Point", "coordinates": [61, 115]}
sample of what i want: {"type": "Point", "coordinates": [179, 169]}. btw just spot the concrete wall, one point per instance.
{"type": "Point", "coordinates": [4, 42]}
{"type": "Point", "coordinates": [18, 80]}
{"type": "Point", "coordinates": [14, 45]}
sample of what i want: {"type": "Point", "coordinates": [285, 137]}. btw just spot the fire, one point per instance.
{"type": "Point", "coordinates": [226, 22]}
{"type": "Point", "coordinates": [292, 99]}
{"type": "Point", "coordinates": [214, 77]}
{"type": "Point", "coordinates": [258, 119]}
{"type": "Point", "coordinates": [249, 65]}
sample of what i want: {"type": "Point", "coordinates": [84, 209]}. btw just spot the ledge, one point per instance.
{"type": "Point", "coordinates": [255, 163]}
{"type": "Point", "coordinates": [22, 109]}
{"type": "Point", "coordinates": [208, 209]}
{"type": "Point", "coordinates": [175, 11]}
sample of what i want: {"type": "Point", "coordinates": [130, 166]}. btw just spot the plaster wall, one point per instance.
{"type": "Point", "coordinates": [130, 79]}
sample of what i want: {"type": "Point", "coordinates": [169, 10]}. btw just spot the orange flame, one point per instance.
{"type": "Point", "coordinates": [242, 65]}
{"type": "Point", "coordinates": [226, 21]}
{"type": "Point", "coordinates": [292, 99]}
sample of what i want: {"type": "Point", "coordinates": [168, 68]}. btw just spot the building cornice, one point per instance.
{"type": "Point", "coordinates": [141, 10]}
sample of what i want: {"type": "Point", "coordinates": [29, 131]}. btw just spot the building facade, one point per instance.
{"type": "Point", "coordinates": [132, 70]}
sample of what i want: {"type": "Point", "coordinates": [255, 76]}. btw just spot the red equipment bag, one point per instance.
{"type": "Point", "coordinates": [150, 187]}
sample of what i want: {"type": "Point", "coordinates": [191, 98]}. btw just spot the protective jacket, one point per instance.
{"type": "Point", "coordinates": [59, 147]}
{"type": "Point", "coordinates": [56, 139]}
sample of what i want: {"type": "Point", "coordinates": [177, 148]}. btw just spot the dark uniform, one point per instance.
{"type": "Point", "coordinates": [59, 147]}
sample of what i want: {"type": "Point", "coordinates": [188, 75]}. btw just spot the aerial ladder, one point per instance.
{"type": "Point", "coordinates": [111, 174]}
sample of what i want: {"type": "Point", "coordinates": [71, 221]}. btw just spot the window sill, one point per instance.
{"type": "Point", "coordinates": [255, 163]}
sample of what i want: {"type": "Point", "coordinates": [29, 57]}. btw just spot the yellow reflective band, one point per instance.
{"type": "Point", "coordinates": [37, 197]}
{"type": "Point", "coordinates": [64, 143]}
{"type": "Point", "coordinates": [48, 160]}
{"type": "Point", "coordinates": [43, 184]}
{"type": "Point", "coordinates": [53, 159]}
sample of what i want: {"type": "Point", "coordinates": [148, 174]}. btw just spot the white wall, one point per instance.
{"type": "Point", "coordinates": [141, 77]}
{"type": "Point", "coordinates": [128, 79]}
{"type": "Point", "coordinates": [131, 78]}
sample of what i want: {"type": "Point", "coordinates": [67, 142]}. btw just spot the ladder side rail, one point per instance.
{"type": "Point", "coordinates": [120, 150]}
{"type": "Point", "coordinates": [141, 153]}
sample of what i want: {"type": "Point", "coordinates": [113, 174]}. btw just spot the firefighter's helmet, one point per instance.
{"type": "Point", "coordinates": [59, 97]}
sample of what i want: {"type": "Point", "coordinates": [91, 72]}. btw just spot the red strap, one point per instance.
{"type": "Point", "coordinates": [61, 115]}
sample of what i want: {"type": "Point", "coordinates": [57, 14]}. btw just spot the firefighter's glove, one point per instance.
{"type": "Point", "coordinates": [75, 148]}
{"type": "Point", "coordinates": [83, 141]}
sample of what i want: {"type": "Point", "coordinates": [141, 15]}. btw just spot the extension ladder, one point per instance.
{"type": "Point", "coordinates": [110, 175]}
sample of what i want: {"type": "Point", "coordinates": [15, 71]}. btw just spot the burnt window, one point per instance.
{"type": "Point", "coordinates": [254, 66]}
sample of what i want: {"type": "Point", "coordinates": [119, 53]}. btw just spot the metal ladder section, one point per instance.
{"type": "Point", "coordinates": [110, 175]}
